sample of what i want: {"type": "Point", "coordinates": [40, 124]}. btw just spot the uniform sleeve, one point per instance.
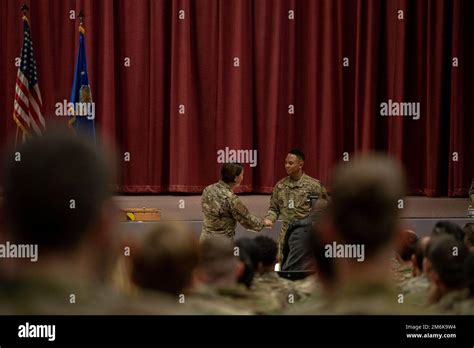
{"type": "Point", "coordinates": [242, 215]}
{"type": "Point", "coordinates": [324, 193]}
{"type": "Point", "coordinates": [274, 210]}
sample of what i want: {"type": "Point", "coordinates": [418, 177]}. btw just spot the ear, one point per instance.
{"type": "Point", "coordinates": [239, 269]}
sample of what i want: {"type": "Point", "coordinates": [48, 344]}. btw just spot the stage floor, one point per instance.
{"type": "Point", "coordinates": [419, 213]}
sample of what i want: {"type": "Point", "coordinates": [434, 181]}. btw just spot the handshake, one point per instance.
{"type": "Point", "coordinates": [267, 223]}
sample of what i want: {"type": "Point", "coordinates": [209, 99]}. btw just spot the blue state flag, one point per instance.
{"type": "Point", "coordinates": [81, 106]}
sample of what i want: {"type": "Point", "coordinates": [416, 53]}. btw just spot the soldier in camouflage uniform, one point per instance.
{"type": "Point", "coordinates": [289, 198]}
{"type": "Point", "coordinates": [362, 211]}
{"type": "Point", "coordinates": [222, 208]}
{"type": "Point", "coordinates": [74, 246]}
{"type": "Point", "coordinates": [217, 290]}
{"type": "Point", "coordinates": [267, 281]}
{"type": "Point", "coordinates": [445, 259]}
{"type": "Point", "coordinates": [415, 289]}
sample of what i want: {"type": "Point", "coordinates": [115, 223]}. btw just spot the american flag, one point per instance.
{"type": "Point", "coordinates": [28, 106]}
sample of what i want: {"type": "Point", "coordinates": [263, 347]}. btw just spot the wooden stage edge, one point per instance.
{"type": "Point", "coordinates": [188, 207]}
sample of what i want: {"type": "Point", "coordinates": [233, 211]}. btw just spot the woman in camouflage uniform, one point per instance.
{"type": "Point", "coordinates": [222, 208]}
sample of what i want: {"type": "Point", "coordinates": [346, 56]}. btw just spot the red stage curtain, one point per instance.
{"type": "Point", "coordinates": [282, 62]}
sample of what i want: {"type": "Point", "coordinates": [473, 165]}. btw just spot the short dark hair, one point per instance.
{"type": "Point", "coordinates": [298, 153]}
{"type": "Point", "coordinates": [53, 194]}
{"type": "Point", "coordinates": [229, 171]}
{"type": "Point", "coordinates": [469, 272]}
{"type": "Point", "coordinates": [165, 259]}
{"type": "Point", "coordinates": [365, 192]}
{"type": "Point", "coordinates": [450, 267]}
{"type": "Point", "coordinates": [217, 258]}
{"type": "Point", "coordinates": [249, 255]}
{"type": "Point", "coordinates": [450, 228]}
{"type": "Point", "coordinates": [268, 250]}
{"type": "Point", "coordinates": [469, 234]}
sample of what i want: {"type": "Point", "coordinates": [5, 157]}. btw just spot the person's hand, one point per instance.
{"type": "Point", "coordinates": [267, 223]}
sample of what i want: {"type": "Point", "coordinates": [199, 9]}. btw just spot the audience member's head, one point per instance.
{"type": "Point", "coordinates": [57, 192]}
{"type": "Point", "coordinates": [419, 254]}
{"type": "Point", "coordinates": [268, 249]}
{"type": "Point", "coordinates": [445, 257]}
{"type": "Point", "coordinates": [406, 244]}
{"type": "Point", "coordinates": [218, 265]}
{"type": "Point", "coordinates": [468, 230]}
{"type": "Point", "coordinates": [249, 255]}
{"type": "Point", "coordinates": [364, 209]}
{"type": "Point", "coordinates": [166, 259]}
{"type": "Point", "coordinates": [469, 272]}
{"type": "Point", "coordinates": [55, 188]}
{"type": "Point", "coordinates": [448, 227]}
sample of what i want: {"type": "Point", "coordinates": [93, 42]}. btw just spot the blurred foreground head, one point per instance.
{"type": "Point", "coordinates": [55, 190]}
{"type": "Point", "coordinates": [166, 259]}
{"type": "Point", "coordinates": [364, 209]}
{"type": "Point", "coordinates": [218, 264]}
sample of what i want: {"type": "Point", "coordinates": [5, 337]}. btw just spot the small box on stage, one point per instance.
{"type": "Point", "coordinates": [141, 214]}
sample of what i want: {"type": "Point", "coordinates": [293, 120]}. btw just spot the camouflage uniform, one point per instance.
{"type": "Point", "coordinates": [52, 296]}
{"type": "Point", "coordinates": [236, 299]}
{"type": "Point", "coordinates": [415, 289]}
{"type": "Point", "coordinates": [222, 209]}
{"type": "Point", "coordinates": [357, 298]}
{"type": "Point", "coordinates": [208, 300]}
{"type": "Point", "coordinates": [401, 272]}
{"type": "Point", "coordinates": [289, 200]}
{"type": "Point", "coordinates": [464, 307]}
{"type": "Point", "coordinates": [270, 284]}
{"type": "Point", "coordinates": [307, 287]}
{"type": "Point", "coordinates": [449, 303]}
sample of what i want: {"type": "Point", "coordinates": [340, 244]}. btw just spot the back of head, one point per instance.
{"type": "Point", "coordinates": [420, 252]}
{"type": "Point", "coordinates": [469, 234]}
{"type": "Point", "coordinates": [448, 227]}
{"type": "Point", "coordinates": [268, 250]}
{"type": "Point", "coordinates": [217, 259]}
{"type": "Point", "coordinates": [249, 255]}
{"type": "Point", "coordinates": [229, 171]}
{"type": "Point", "coordinates": [365, 192]}
{"type": "Point", "coordinates": [447, 256]}
{"type": "Point", "coordinates": [406, 244]}
{"type": "Point", "coordinates": [165, 259]}
{"type": "Point", "coordinates": [55, 186]}
{"type": "Point", "coordinates": [469, 272]}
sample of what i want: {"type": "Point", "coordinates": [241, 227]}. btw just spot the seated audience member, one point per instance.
{"type": "Point", "coordinates": [163, 265]}
{"type": "Point", "coordinates": [216, 289]}
{"type": "Point", "coordinates": [416, 287]}
{"type": "Point", "coordinates": [267, 281]}
{"type": "Point", "coordinates": [468, 230]}
{"type": "Point", "coordinates": [402, 263]}
{"type": "Point", "coordinates": [296, 251]}
{"type": "Point", "coordinates": [445, 259]}
{"type": "Point", "coordinates": [57, 199]}
{"type": "Point", "coordinates": [448, 227]}
{"type": "Point", "coordinates": [466, 306]}
{"type": "Point", "coordinates": [358, 236]}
